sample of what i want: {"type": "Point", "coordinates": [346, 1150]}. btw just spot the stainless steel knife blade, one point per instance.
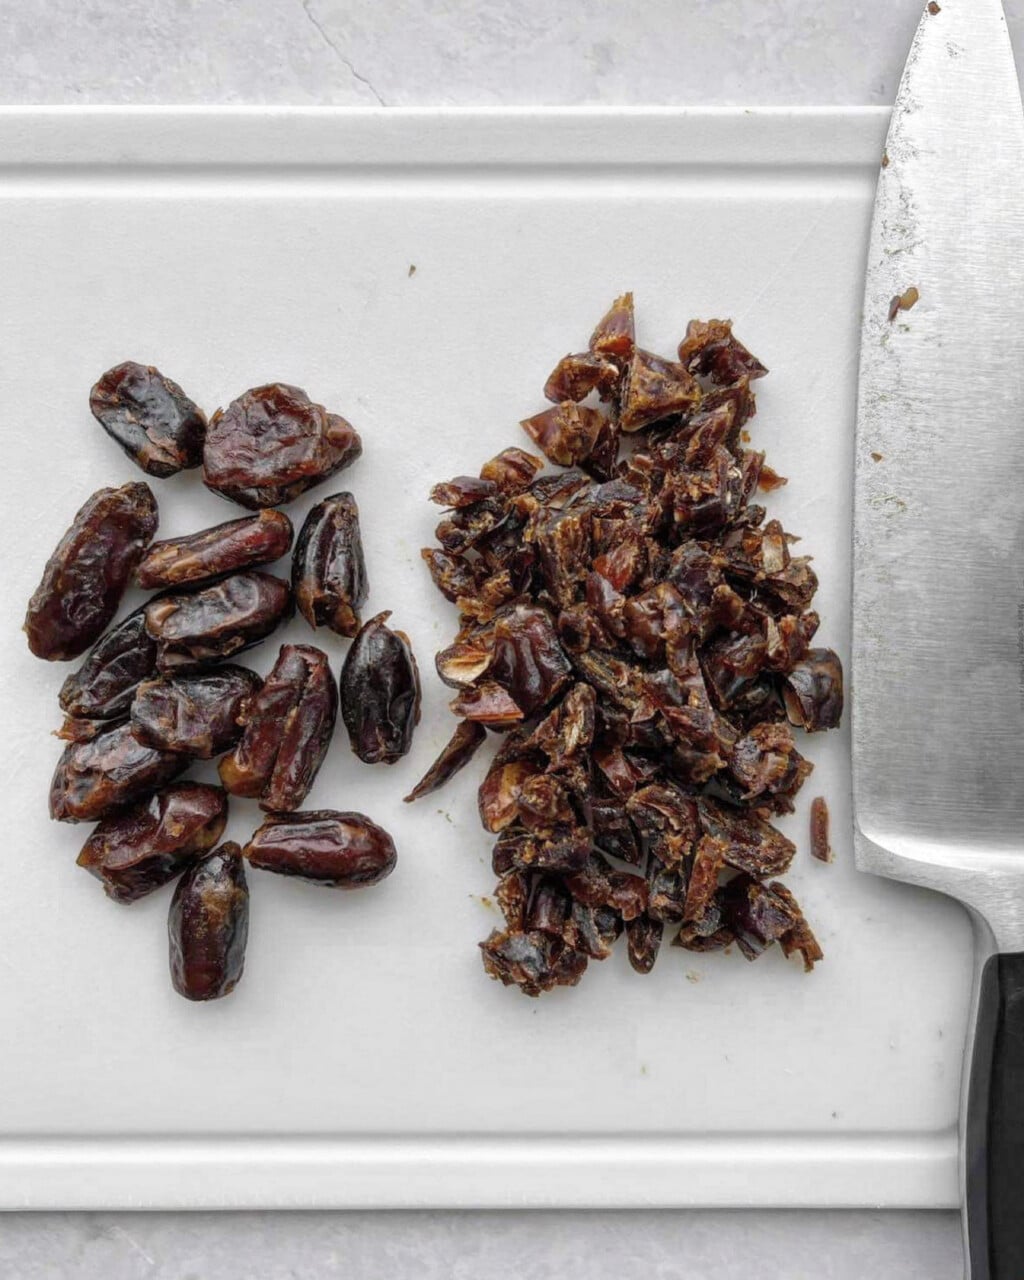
{"type": "Point", "coordinates": [938, 601]}
{"type": "Point", "coordinates": [938, 662]}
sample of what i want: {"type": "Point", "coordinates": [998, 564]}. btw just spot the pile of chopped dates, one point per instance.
{"type": "Point", "coordinates": [156, 692]}
{"type": "Point", "coordinates": [642, 636]}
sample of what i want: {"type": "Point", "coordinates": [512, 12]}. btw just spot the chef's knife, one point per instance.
{"type": "Point", "coordinates": [938, 647]}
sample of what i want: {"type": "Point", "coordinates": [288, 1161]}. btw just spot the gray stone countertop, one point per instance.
{"type": "Point", "coordinates": [467, 53]}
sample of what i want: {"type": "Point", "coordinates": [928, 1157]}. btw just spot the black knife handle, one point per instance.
{"type": "Point", "coordinates": [994, 1130]}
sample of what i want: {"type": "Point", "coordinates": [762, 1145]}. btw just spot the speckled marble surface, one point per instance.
{"type": "Point", "coordinates": [467, 52]}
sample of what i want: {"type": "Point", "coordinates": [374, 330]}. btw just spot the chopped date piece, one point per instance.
{"type": "Point", "coordinates": [615, 334]}
{"type": "Point", "coordinates": [96, 778]}
{"type": "Point", "coordinates": [273, 443]}
{"type": "Point", "coordinates": [528, 660]}
{"type": "Point", "coordinates": [575, 376]}
{"type": "Point", "coordinates": [766, 764]}
{"type": "Point", "coordinates": [768, 479]}
{"type": "Point", "coordinates": [710, 350]}
{"type": "Point", "coordinates": [533, 962]}
{"type": "Point", "coordinates": [513, 896]}
{"type": "Point", "coordinates": [498, 797]}
{"type": "Point", "coordinates": [604, 454]}
{"type": "Point", "coordinates": [622, 771]}
{"type": "Point", "coordinates": [197, 714]}
{"type": "Point", "coordinates": [464, 527]}
{"type": "Point", "coordinates": [666, 820]}
{"type": "Point", "coordinates": [799, 937]}
{"type": "Point", "coordinates": [820, 847]}
{"type": "Point", "coordinates": [666, 891]}
{"type": "Point", "coordinates": [150, 417]}
{"type": "Point", "coordinates": [208, 925]}
{"type": "Point", "coordinates": [455, 755]}
{"type": "Point", "coordinates": [337, 850]}
{"type": "Point", "coordinates": [380, 692]}
{"type": "Point", "coordinates": [567, 732]}
{"type": "Point", "coordinates": [592, 931]}
{"type": "Point", "coordinates": [690, 938]}
{"type": "Point", "coordinates": [643, 941]}
{"type": "Point", "coordinates": [512, 470]}
{"type": "Point", "coordinates": [489, 704]}
{"type": "Point", "coordinates": [597, 885]}
{"type": "Point", "coordinates": [756, 916]}
{"type": "Point", "coordinates": [640, 632]}
{"type": "Point", "coordinates": [104, 685]}
{"type": "Point", "coordinates": [145, 846]}
{"type": "Point", "coordinates": [543, 805]}
{"type": "Point", "coordinates": [463, 491]}
{"type": "Point", "coordinates": [211, 553]}
{"type": "Point", "coordinates": [752, 845]}
{"type": "Point", "coordinates": [548, 908]}
{"type": "Point", "coordinates": [453, 576]}
{"type": "Point", "coordinates": [328, 570]}
{"type": "Point", "coordinates": [85, 577]}
{"type": "Point", "coordinates": [565, 434]}
{"type": "Point", "coordinates": [813, 691]}
{"type": "Point", "coordinates": [286, 730]}
{"type": "Point", "coordinates": [566, 850]}
{"type": "Point", "coordinates": [654, 389]}
{"type": "Point", "coordinates": [708, 861]}
{"type": "Point", "coordinates": [614, 834]}
{"type": "Point", "coordinates": [463, 663]}
{"type": "Point", "coordinates": [200, 627]}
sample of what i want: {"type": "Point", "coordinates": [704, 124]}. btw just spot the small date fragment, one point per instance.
{"type": "Point", "coordinates": [208, 925]}
{"type": "Point", "coordinates": [455, 755]}
{"type": "Point", "coordinates": [820, 847]}
{"type": "Point", "coordinates": [639, 633]}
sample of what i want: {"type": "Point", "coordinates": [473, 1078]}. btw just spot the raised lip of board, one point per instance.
{"type": "Point", "coordinates": [35, 139]}
{"type": "Point", "coordinates": [916, 1169]}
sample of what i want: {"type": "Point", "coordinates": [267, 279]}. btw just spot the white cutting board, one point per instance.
{"type": "Point", "coordinates": [365, 1059]}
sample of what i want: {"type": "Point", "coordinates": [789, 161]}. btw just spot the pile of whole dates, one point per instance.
{"type": "Point", "coordinates": [157, 691]}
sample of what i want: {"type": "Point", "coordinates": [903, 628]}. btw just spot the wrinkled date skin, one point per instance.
{"type": "Point", "coordinates": [144, 847]}
{"type": "Point", "coordinates": [211, 553]}
{"type": "Point", "coordinates": [208, 925]}
{"type": "Point", "coordinates": [273, 443]}
{"type": "Point", "coordinates": [150, 417]}
{"type": "Point", "coordinates": [216, 622]}
{"type": "Point", "coordinates": [197, 714]}
{"type": "Point", "coordinates": [95, 778]}
{"type": "Point", "coordinates": [287, 730]}
{"type": "Point", "coordinates": [338, 850]}
{"type": "Point", "coordinates": [380, 693]}
{"type": "Point", "coordinates": [103, 686]}
{"type": "Point", "coordinates": [86, 576]}
{"type": "Point", "coordinates": [328, 569]}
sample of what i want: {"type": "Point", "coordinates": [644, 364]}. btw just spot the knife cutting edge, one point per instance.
{"type": "Point", "coordinates": [938, 644]}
